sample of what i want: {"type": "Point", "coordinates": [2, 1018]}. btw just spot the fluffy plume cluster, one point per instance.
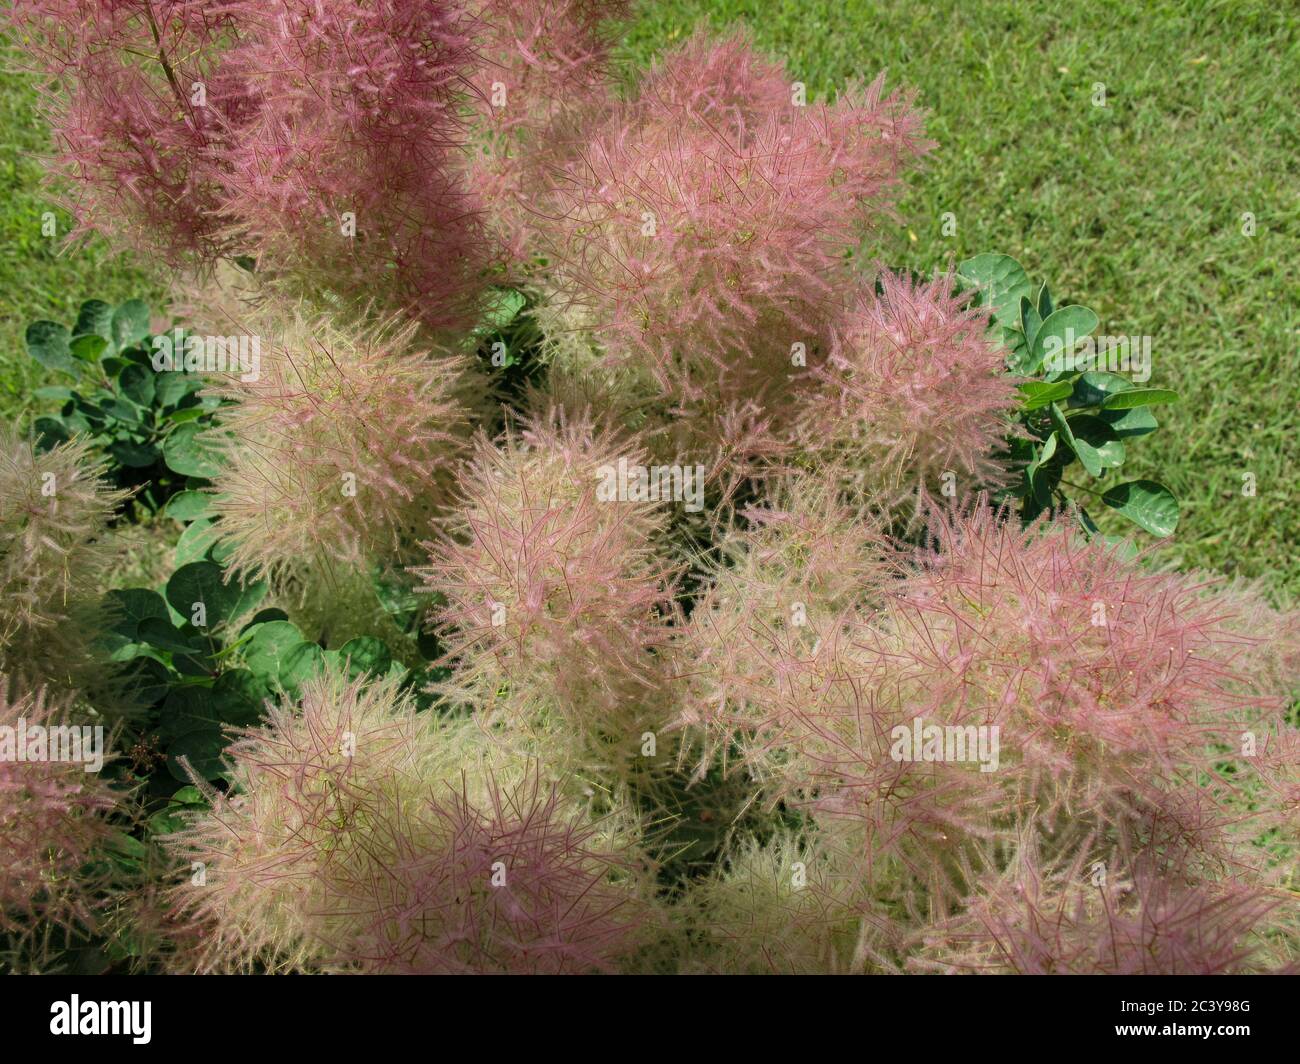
{"type": "Point", "coordinates": [365, 837]}
{"type": "Point", "coordinates": [53, 822]}
{"type": "Point", "coordinates": [785, 575]}
{"type": "Point", "coordinates": [841, 738]}
{"type": "Point", "coordinates": [54, 514]}
{"type": "Point", "coordinates": [536, 56]}
{"type": "Point", "coordinates": [399, 154]}
{"type": "Point", "coordinates": [144, 117]}
{"type": "Point", "coordinates": [1073, 920]}
{"type": "Point", "coordinates": [346, 177]}
{"type": "Point", "coordinates": [555, 599]}
{"type": "Point", "coordinates": [1114, 693]}
{"type": "Point", "coordinates": [781, 905]}
{"type": "Point", "coordinates": [339, 449]}
{"type": "Point", "coordinates": [355, 149]}
{"type": "Point", "coordinates": [911, 396]}
{"type": "Point", "coordinates": [541, 74]}
{"type": "Point", "coordinates": [723, 81]}
{"type": "Point", "coordinates": [702, 293]}
{"type": "Point", "coordinates": [708, 231]}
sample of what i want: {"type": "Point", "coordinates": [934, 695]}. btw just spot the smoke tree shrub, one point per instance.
{"type": "Point", "coordinates": [144, 118]}
{"type": "Point", "coordinates": [464, 694]}
{"type": "Point", "coordinates": [344, 178]}
{"type": "Point", "coordinates": [709, 235]}
{"type": "Point", "coordinates": [54, 512]}
{"type": "Point", "coordinates": [1116, 694]}
{"type": "Point", "coordinates": [53, 825]}
{"type": "Point", "coordinates": [364, 836]}
{"type": "Point", "coordinates": [911, 397]}
{"type": "Point", "coordinates": [339, 448]}
{"type": "Point", "coordinates": [556, 601]}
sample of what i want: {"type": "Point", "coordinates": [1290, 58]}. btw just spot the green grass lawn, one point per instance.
{"type": "Point", "coordinates": [39, 278]}
{"type": "Point", "coordinates": [1134, 208]}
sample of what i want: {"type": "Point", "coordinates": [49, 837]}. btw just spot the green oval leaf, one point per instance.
{"type": "Point", "coordinates": [1101, 437]}
{"type": "Point", "coordinates": [365, 654]}
{"type": "Point", "coordinates": [188, 506]}
{"type": "Point", "coordinates": [184, 709]}
{"type": "Point", "coordinates": [1038, 394]}
{"type": "Point", "coordinates": [1057, 336]}
{"type": "Point", "coordinates": [1089, 457]}
{"type": "Point", "coordinates": [127, 607]}
{"type": "Point", "coordinates": [188, 453]}
{"type": "Point", "coordinates": [195, 543]}
{"type": "Point", "coordinates": [1147, 504]}
{"type": "Point", "coordinates": [47, 342]}
{"type": "Point", "coordinates": [1136, 397]}
{"type": "Point", "coordinates": [205, 582]}
{"type": "Point", "coordinates": [238, 697]}
{"type": "Point", "coordinates": [1001, 282]}
{"type": "Point", "coordinates": [160, 633]}
{"type": "Point", "coordinates": [95, 318]}
{"type": "Point", "coordinates": [1062, 424]}
{"type": "Point", "coordinates": [300, 664]}
{"type": "Point", "coordinates": [137, 384]}
{"type": "Point", "coordinates": [1136, 422]}
{"type": "Point", "coordinates": [187, 414]}
{"type": "Point", "coordinates": [88, 348]}
{"type": "Point", "coordinates": [120, 409]}
{"type": "Point", "coordinates": [1092, 388]}
{"type": "Point", "coordinates": [130, 323]}
{"type": "Point", "coordinates": [188, 796]}
{"type": "Point", "coordinates": [171, 387]}
{"type": "Point", "coordinates": [203, 748]}
{"type": "Point", "coordinates": [146, 680]}
{"type": "Point", "coordinates": [277, 654]}
{"type": "Point", "coordinates": [1084, 451]}
{"type": "Point", "coordinates": [271, 613]}
{"type": "Point", "coordinates": [50, 432]}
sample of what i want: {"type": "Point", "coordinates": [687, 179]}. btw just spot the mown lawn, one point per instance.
{"type": "Point", "coordinates": [1134, 208]}
{"type": "Point", "coordinates": [39, 278]}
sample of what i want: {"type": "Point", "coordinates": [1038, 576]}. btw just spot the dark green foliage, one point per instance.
{"type": "Point", "coordinates": [147, 423]}
{"type": "Point", "coordinates": [1077, 422]}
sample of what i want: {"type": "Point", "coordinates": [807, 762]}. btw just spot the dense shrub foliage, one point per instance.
{"type": "Point", "coordinates": [552, 543]}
